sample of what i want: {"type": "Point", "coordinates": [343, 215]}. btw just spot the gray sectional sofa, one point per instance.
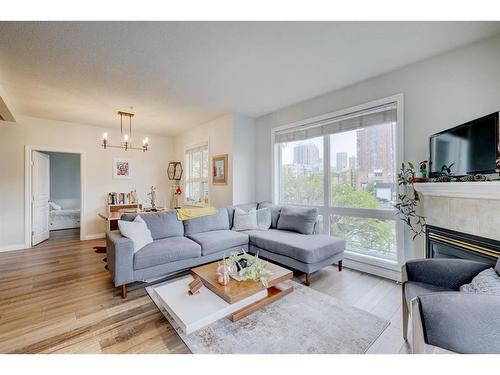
{"type": "Point", "coordinates": [178, 245]}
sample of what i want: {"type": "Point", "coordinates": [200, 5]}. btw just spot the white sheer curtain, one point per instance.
{"type": "Point", "coordinates": [197, 174]}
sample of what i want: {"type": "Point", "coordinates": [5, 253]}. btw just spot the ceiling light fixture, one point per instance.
{"type": "Point", "coordinates": [126, 139]}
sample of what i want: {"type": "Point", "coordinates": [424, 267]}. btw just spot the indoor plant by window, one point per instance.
{"type": "Point", "coordinates": [408, 200]}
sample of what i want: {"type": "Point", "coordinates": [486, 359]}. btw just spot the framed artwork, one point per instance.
{"type": "Point", "coordinates": [219, 170]}
{"type": "Point", "coordinates": [121, 169]}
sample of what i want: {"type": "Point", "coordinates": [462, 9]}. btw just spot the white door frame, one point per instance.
{"type": "Point", "coordinates": [28, 160]}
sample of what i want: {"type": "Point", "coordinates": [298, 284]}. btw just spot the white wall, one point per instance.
{"type": "Point", "coordinates": [243, 159]}
{"type": "Point", "coordinates": [149, 168]}
{"type": "Point", "coordinates": [65, 178]}
{"type": "Point", "coordinates": [439, 93]}
{"type": "Point", "coordinates": [232, 134]}
{"type": "Point", "coordinates": [219, 133]}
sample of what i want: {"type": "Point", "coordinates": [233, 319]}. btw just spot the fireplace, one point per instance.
{"type": "Point", "coordinates": [445, 243]}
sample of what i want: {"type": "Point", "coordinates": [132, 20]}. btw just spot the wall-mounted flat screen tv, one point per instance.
{"type": "Point", "coordinates": [469, 148]}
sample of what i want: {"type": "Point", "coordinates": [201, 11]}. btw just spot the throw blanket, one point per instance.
{"type": "Point", "coordinates": [191, 213]}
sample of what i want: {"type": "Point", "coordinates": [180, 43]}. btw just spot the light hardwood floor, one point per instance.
{"type": "Point", "coordinates": [58, 298]}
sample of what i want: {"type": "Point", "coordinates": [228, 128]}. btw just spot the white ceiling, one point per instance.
{"type": "Point", "coordinates": [177, 75]}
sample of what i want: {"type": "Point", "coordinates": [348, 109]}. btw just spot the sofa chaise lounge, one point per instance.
{"type": "Point", "coordinates": [292, 241]}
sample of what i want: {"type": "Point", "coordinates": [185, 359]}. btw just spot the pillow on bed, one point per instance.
{"type": "Point", "coordinates": [54, 206]}
{"type": "Point", "coordinates": [137, 231]}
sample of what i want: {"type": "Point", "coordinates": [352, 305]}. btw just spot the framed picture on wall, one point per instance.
{"type": "Point", "coordinates": [219, 170]}
{"type": "Point", "coordinates": [121, 169]}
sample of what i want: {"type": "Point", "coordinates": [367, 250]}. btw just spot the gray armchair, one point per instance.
{"type": "Point", "coordinates": [443, 316]}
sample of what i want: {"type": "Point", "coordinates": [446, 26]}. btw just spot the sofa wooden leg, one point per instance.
{"type": "Point", "coordinates": [124, 290]}
{"type": "Point", "coordinates": [308, 279]}
{"type": "Point", "coordinates": [340, 265]}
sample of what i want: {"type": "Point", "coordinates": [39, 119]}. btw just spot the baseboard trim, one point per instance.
{"type": "Point", "coordinates": [96, 236]}
{"type": "Point", "coordinates": [374, 270]}
{"type": "Point", "coordinates": [19, 246]}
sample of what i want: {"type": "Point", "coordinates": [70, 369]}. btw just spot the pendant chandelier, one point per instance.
{"type": "Point", "coordinates": [126, 139]}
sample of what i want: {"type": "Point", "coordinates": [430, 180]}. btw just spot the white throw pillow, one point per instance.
{"type": "Point", "coordinates": [245, 220]}
{"type": "Point", "coordinates": [137, 231]}
{"type": "Point", "coordinates": [264, 218]}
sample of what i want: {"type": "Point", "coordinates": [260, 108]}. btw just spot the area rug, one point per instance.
{"type": "Point", "coordinates": [305, 321]}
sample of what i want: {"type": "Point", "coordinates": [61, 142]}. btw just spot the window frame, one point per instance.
{"type": "Point", "coordinates": [358, 258]}
{"type": "Point", "coordinates": [188, 179]}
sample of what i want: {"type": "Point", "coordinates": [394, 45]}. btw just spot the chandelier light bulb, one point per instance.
{"type": "Point", "coordinates": [105, 136]}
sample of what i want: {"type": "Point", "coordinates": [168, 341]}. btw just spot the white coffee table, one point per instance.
{"type": "Point", "coordinates": [192, 312]}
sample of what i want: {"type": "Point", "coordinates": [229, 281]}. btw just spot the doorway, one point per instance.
{"type": "Point", "coordinates": [54, 195]}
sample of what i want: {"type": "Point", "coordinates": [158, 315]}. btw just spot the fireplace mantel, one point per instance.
{"type": "Point", "coordinates": [472, 190]}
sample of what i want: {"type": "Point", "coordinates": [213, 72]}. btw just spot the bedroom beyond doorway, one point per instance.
{"type": "Point", "coordinates": [56, 196]}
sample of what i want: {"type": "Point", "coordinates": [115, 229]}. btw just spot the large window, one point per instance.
{"type": "Point", "coordinates": [301, 172]}
{"type": "Point", "coordinates": [346, 166]}
{"type": "Point", "coordinates": [197, 174]}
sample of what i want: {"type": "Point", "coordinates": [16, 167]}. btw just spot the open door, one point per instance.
{"type": "Point", "coordinates": [41, 195]}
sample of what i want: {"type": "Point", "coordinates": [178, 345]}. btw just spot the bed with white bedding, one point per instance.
{"type": "Point", "coordinates": [63, 218]}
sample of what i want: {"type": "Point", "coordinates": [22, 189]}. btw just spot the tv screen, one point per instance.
{"type": "Point", "coordinates": [469, 148]}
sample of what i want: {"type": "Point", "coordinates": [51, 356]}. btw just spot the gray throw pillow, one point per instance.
{"type": "Point", "coordinates": [497, 267]}
{"type": "Point", "coordinates": [298, 219]}
{"type": "Point", "coordinates": [486, 282]}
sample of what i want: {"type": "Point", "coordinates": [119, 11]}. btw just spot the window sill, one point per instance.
{"type": "Point", "coordinates": [387, 268]}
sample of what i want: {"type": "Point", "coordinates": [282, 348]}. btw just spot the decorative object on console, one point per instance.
{"type": "Point", "coordinates": [219, 169]}
{"type": "Point", "coordinates": [443, 178]}
{"type": "Point", "coordinates": [126, 139]}
{"type": "Point", "coordinates": [121, 169]}
{"type": "Point", "coordinates": [468, 178]}
{"type": "Point", "coordinates": [423, 168]}
{"type": "Point", "coordinates": [132, 197]}
{"type": "Point", "coordinates": [446, 170]}
{"type": "Point", "coordinates": [175, 197]}
{"type": "Point", "coordinates": [408, 200]}
{"type": "Point", "coordinates": [152, 197]}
